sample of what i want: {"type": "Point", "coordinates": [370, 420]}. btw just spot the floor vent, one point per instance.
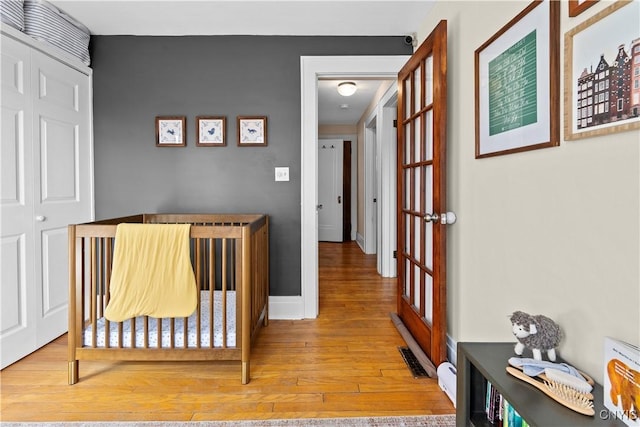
{"type": "Point", "coordinates": [412, 363]}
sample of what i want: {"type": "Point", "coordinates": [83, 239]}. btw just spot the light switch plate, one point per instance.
{"type": "Point", "coordinates": [282, 174]}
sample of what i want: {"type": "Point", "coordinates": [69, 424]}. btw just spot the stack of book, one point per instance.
{"type": "Point", "coordinates": [499, 411]}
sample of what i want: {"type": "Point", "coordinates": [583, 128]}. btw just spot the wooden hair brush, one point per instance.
{"type": "Point", "coordinates": [561, 392]}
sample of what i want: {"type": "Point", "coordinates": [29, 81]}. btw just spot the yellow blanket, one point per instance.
{"type": "Point", "coordinates": [152, 273]}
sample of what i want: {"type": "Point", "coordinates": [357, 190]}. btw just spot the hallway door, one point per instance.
{"type": "Point", "coordinates": [330, 189]}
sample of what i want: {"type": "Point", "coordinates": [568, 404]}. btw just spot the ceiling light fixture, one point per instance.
{"type": "Point", "coordinates": [347, 88]}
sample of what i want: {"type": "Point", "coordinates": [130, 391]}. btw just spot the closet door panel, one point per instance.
{"type": "Point", "coordinates": [59, 147]}
{"type": "Point", "coordinates": [63, 184]}
{"type": "Point", "coordinates": [54, 266]}
{"type": "Point", "coordinates": [17, 290]}
{"type": "Point", "coordinates": [12, 283]}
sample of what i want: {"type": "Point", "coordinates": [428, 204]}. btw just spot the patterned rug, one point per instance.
{"type": "Point", "coordinates": [408, 421]}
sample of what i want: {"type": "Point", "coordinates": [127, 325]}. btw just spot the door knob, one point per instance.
{"type": "Point", "coordinates": [446, 218]}
{"type": "Point", "coordinates": [41, 218]}
{"type": "Point", "coordinates": [434, 217]}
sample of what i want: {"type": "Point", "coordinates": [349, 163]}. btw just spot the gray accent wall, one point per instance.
{"type": "Point", "coordinates": [138, 78]}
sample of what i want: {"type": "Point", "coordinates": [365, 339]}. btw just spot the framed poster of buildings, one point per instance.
{"type": "Point", "coordinates": [517, 83]}
{"type": "Point", "coordinates": [602, 73]}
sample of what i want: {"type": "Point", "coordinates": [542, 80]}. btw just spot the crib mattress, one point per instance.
{"type": "Point", "coordinates": [178, 332]}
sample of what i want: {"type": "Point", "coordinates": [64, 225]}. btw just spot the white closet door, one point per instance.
{"type": "Point", "coordinates": [17, 320]}
{"type": "Point", "coordinates": [46, 184]}
{"type": "Point", "coordinates": [63, 184]}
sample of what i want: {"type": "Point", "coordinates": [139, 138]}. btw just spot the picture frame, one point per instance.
{"type": "Point", "coordinates": [602, 73]}
{"type": "Point", "coordinates": [211, 131]}
{"type": "Point", "coordinates": [252, 131]}
{"type": "Point", "coordinates": [517, 84]}
{"type": "Point", "coordinates": [576, 7]}
{"type": "Point", "coordinates": [171, 131]}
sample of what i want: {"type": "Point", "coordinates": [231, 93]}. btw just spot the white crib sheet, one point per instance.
{"type": "Point", "coordinates": [192, 337]}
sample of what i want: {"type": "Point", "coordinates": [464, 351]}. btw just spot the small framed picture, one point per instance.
{"type": "Point", "coordinates": [171, 131]}
{"type": "Point", "coordinates": [210, 131]}
{"type": "Point", "coordinates": [252, 131]}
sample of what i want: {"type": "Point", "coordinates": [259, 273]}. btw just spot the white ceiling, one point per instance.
{"type": "Point", "coordinates": [336, 109]}
{"type": "Point", "coordinates": [260, 17]}
{"type": "Point", "coordinates": [248, 17]}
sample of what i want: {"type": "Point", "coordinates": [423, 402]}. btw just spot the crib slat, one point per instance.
{"type": "Point", "coordinates": [199, 281]}
{"type": "Point", "coordinates": [172, 343]}
{"type": "Point", "coordinates": [107, 288]}
{"type": "Point", "coordinates": [211, 314]}
{"type": "Point", "coordinates": [185, 331]}
{"type": "Point", "coordinates": [224, 293]}
{"type": "Point", "coordinates": [159, 322]}
{"type": "Point", "coordinates": [94, 299]}
{"type": "Point", "coordinates": [99, 293]}
{"type": "Point", "coordinates": [120, 336]}
{"type": "Point", "coordinates": [133, 327]}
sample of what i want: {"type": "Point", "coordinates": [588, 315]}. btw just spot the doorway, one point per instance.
{"type": "Point", "coordinates": [333, 170]}
{"type": "Point", "coordinates": [312, 68]}
{"type": "Point", "coordinates": [381, 194]}
{"type": "Point", "coordinates": [370, 245]}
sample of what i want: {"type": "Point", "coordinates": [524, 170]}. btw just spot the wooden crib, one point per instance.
{"type": "Point", "coordinates": [230, 259]}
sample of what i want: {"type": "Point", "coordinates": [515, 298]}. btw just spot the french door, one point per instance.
{"type": "Point", "coordinates": [422, 218]}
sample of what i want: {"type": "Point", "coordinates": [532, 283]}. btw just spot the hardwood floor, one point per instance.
{"type": "Point", "coordinates": [345, 363]}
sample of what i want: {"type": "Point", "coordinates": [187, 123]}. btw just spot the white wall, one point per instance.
{"type": "Point", "coordinates": [552, 231]}
{"type": "Point", "coordinates": [384, 87]}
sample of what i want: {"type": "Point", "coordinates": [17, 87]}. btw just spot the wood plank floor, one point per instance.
{"type": "Point", "coordinates": [345, 363]}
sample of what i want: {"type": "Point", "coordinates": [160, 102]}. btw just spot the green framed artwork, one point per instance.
{"type": "Point", "coordinates": [517, 84]}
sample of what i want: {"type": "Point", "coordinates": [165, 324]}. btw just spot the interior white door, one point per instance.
{"type": "Point", "coordinates": [17, 321]}
{"type": "Point", "coordinates": [63, 183]}
{"type": "Point", "coordinates": [47, 184]}
{"type": "Point", "coordinates": [330, 155]}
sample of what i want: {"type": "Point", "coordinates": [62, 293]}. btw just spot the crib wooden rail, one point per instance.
{"type": "Point", "coordinates": [230, 259]}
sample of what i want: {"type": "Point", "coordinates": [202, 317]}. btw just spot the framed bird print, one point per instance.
{"type": "Point", "coordinates": [210, 131]}
{"type": "Point", "coordinates": [170, 131]}
{"type": "Point", "coordinates": [252, 131]}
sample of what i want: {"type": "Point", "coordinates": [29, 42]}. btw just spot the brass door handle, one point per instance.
{"type": "Point", "coordinates": [446, 218]}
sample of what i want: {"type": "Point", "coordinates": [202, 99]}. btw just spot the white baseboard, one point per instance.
{"type": "Point", "coordinates": [452, 350]}
{"type": "Point", "coordinates": [286, 308]}
{"type": "Point", "coordinates": [360, 241]}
